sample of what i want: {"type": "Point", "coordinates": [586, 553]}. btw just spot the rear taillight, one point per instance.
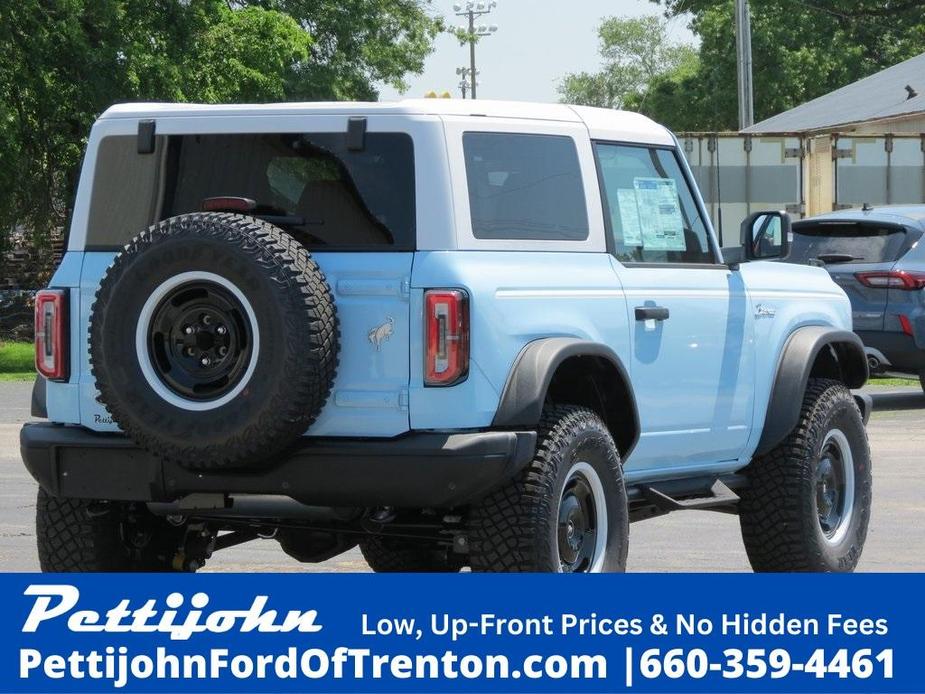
{"type": "Point", "coordinates": [51, 334]}
{"type": "Point", "coordinates": [906, 325]}
{"type": "Point", "coordinates": [892, 280]}
{"type": "Point", "coordinates": [446, 329]}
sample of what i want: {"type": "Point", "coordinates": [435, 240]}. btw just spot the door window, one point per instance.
{"type": "Point", "coordinates": [649, 209]}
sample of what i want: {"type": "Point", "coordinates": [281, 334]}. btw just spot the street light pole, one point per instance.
{"type": "Point", "coordinates": [470, 11]}
{"type": "Point", "coordinates": [744, 65]}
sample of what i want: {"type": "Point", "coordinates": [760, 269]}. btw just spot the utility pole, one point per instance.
{"type": "Point", "coordinates": [744, 65]}
{"type": "Point", "coordinates": [471, 10]}
{"type": "Point", "coordinates": [472, 49]}
{"type": "Point", "coordinates": [463, 73]}
{"type": "Point", "coordinates": [464, 79]}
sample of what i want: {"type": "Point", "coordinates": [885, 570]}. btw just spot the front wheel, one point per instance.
{"type": "Point", "coordinates": [566, 512]}
{"type": "Point", "coordinates": [808, 502]}
{"type": "Point", "coordinates": [922, 380]}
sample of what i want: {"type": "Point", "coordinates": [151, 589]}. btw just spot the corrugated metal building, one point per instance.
{"type": "Point", "coordinates": [863, 143]}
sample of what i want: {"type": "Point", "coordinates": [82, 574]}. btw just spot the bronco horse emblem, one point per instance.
{"type": "Point", "coordinates": [380, 334]}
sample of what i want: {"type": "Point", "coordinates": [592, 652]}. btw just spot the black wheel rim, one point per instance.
{"type": "Point", "coordinates": [200, 340]}
{"type": "Point", "coordinates": [577, 526]}
{"type": "Point", "coordinates": [830, 489]}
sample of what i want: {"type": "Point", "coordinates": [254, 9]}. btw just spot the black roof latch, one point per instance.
{"type": "Point", "coordinates": [146, 130]}
{"type": "Point", "coordinates": [356, 134]}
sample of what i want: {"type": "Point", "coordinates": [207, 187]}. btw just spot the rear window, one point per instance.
{"type": "Point", "coordinates": [311, 184]}
{"type": "Point", "coordinates": [849, 243]}
{"type": "Point", "coordinates": [525, 187]}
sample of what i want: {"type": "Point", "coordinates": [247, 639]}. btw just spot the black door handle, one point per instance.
{"type": "Point", "coordinates": [651, 313]}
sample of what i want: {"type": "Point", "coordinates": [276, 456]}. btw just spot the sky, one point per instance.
{"type": "Point", "coordinates": [537, 42]}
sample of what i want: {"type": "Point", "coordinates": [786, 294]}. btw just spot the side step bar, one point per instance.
{"type": "Point", "coordinates": [699, 493]}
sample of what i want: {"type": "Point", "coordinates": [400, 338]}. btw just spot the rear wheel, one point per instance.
{"type": "Point", "coordinates": [566, 512]}
{"type": "Point", "coordinates": [86, 536]}
{"type": "Point", "coordinates": [922, 380]}
{"type": "Point", "coordinates": [389, 555]}
{"type": "Point", "coordinates": [807, 505]}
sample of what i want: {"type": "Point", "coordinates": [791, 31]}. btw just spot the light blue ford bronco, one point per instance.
{"type": "Point", "coordinates": [455, 333]}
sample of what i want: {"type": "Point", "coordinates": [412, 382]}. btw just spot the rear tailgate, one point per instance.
{"type": "Point", "coordinates": [855, 254]}
{"type": "Point", "coordinates": [370, 393]}
{"type": "Point", "coordinates": [352, 200]}
{"type": "Point", "coordinates": [868, 303]}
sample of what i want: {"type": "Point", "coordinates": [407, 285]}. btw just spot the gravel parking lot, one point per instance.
{"type": "Point", "coordinates": [688, 541]}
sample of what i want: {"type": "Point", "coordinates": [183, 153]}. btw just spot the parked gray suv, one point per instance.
{"type": "Point", "coordinates": [878, 257]}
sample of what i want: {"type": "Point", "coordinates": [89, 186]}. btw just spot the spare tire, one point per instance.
{"type": "Point", "coordinates": [213, 340]}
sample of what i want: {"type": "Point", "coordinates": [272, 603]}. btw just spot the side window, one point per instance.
{"type": "Point", "coordinates": [126, 195]}
{"type": "Point", "coordinates": [525, 187]}
{"type": "Point", "coordinates": [651, 213]}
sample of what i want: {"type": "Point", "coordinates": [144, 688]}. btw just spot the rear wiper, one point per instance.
{"type": "Point", "coordinates": [828, 258]}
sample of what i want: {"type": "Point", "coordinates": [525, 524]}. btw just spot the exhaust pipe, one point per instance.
{"type": "Point", "coordinates": [877, 362]}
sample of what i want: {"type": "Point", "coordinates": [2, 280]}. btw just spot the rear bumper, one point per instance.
{"type": "Point", "coordinates": [416, 470]}
{"type": "Point", "coordinates": [901, 350]}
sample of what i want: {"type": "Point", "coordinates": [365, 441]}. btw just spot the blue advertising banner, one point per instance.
{"type": "Point", "coordinates": [415, 633]}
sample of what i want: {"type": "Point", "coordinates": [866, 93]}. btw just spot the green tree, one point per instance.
{"type": "Point", "coordinates": [358, 43]}
{"type": "Point", "coordinates": [65, 61]}
{"type": "Point", "coordinates": [635, 52]}
{"type": "Point", "coordinates": [801, 50]}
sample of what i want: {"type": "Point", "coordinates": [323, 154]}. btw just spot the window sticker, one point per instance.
{"type": "Point", "coordinates": [629, 217]}
{"type": "Point", "coordinates": [661, 223]}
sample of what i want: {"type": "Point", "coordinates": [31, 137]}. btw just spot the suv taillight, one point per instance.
{"type": "Point", "coordinates": [446, 330]}
{"type": "Point", "coordinates": [51, 334]}
{"type": "Point", "coordinates": [892, 280]}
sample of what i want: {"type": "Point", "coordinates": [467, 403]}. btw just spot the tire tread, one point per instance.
{"type": "Point", "coordinates": [504, 527]}
{"type": "Point", "coordinates": [773, 512]}
{"type": "Point", "coordinates": [311, 328]}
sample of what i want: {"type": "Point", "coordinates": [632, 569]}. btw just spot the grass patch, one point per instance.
{"type": "Point", "coordinates": [17, 376]}
{"type": "Point", "coordinates": [893, 382]}
{"type": "Point", "coordinates": [17, 358]}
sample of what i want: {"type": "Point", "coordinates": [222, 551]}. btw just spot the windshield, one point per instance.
{"type": "Point", "coordinates": [848, 243]}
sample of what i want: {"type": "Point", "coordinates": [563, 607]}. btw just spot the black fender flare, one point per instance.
{"type": "Point", "coordinates": [793, 371]}
{"type": "Point", "coordinates": [528, 382]}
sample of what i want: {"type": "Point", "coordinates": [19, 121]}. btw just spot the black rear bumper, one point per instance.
{"type": "Point", "coordinates": [415, 470]}
{"type": "Point", "coordinates": [904, 354]}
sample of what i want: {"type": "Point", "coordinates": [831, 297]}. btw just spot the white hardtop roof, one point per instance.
{"type": "Point", "coordinates": [602, 123]}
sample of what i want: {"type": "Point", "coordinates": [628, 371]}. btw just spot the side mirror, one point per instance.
{"type": "Point", "coordinates": [766, 235]}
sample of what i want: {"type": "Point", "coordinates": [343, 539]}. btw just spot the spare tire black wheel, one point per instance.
{"type": "Point", "coordinates": [213, 340]}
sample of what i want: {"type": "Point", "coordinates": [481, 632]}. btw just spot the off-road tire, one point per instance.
{"type": "Point", "coordinates": [514, 528]}
{"type": "Point", "coordinates": [391, 555]}
{"type": "Point", "coordinates": [75, 535]}
{"type": "Point", "coordinates": [298, 341]}
{"type": "Point", "coordinates": [778, 512]}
